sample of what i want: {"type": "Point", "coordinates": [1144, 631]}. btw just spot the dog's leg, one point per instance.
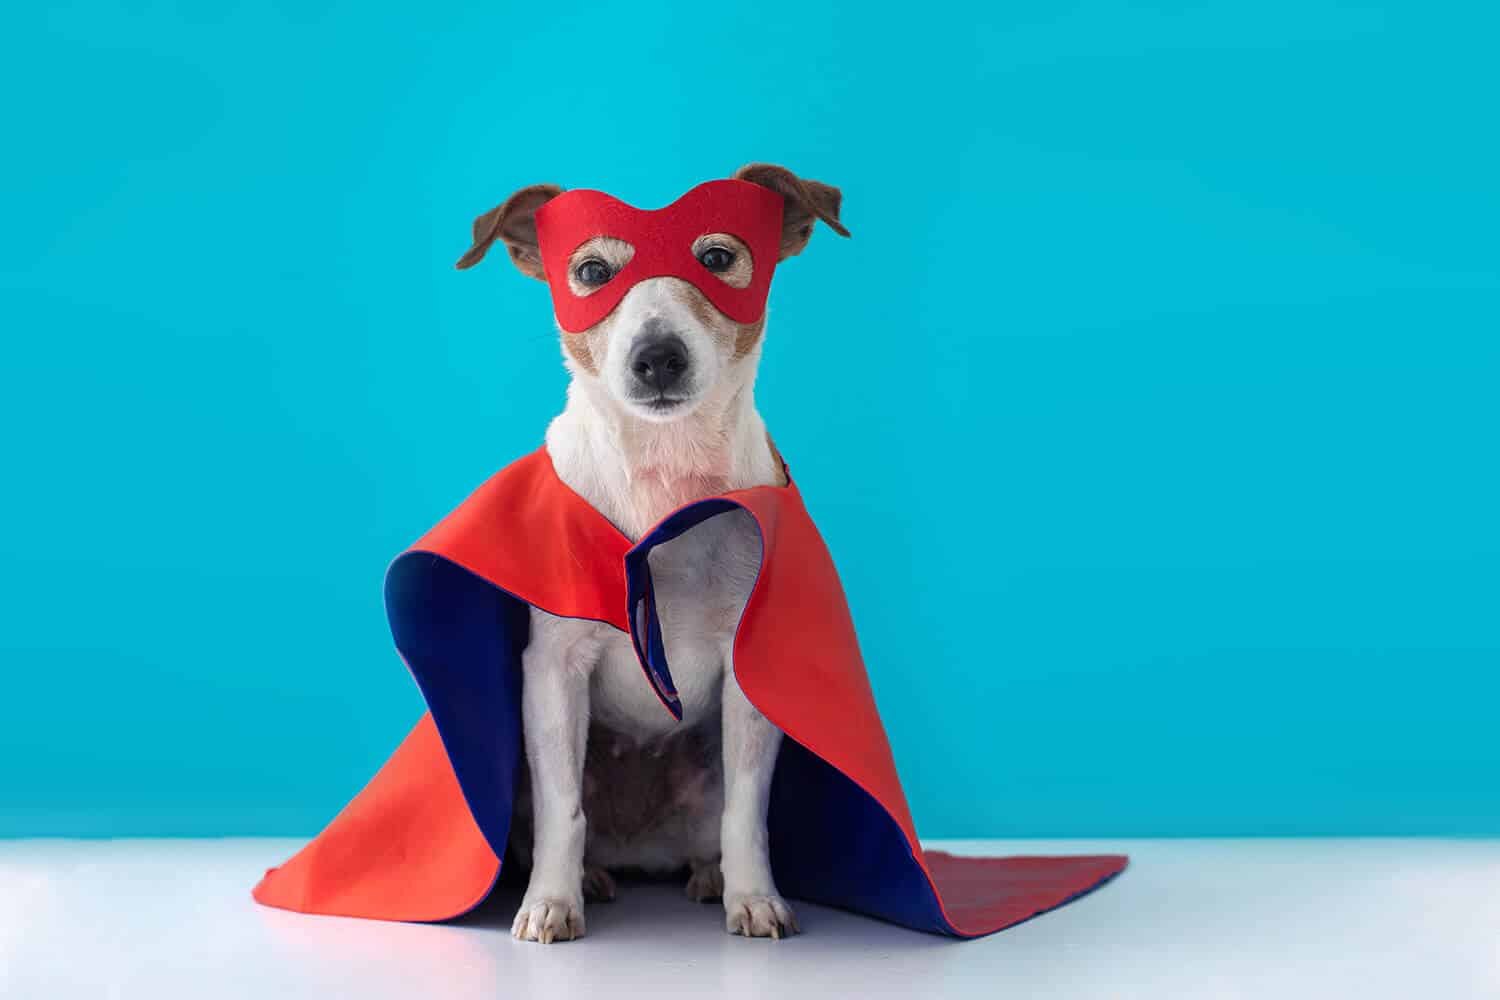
{"type": "Point", "coordinates": [705, 882]}
{"type": "Point", "coordinates": [555, 716]}
{"type": "Point", "coordinates": [752, 906]}
{"type": "Point", "coordinates": [598, 885]}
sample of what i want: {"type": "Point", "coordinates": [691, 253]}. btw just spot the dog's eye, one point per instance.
{"type": "Point", "coordinates": [716, 258]}
{"type": "Point", "coordinates": [593, 272]}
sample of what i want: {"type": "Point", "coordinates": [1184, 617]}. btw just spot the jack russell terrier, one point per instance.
{"type": "Point", "coordinates": [660, 412]}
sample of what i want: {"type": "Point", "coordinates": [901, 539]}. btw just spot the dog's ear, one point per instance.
{"type": "Point", "coordinates": [806, 202]}
{"type": "Point", "coordinates": [514, 223]}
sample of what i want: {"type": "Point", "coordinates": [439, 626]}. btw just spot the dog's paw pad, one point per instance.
{"type": "Point", "coordinates": [598, 885]}
{"type": "Point", "coordinates": [706, 883]}
{"type": "Point", "coordinates": [547, 920]}
{"type": "Point", "coordinates": [759, 916]}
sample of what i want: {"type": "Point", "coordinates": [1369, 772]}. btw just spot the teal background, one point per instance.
{"type": "Point", "coordinates": [1150, 413]}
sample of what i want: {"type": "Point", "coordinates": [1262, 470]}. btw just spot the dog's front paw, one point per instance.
{"type": "Point", "coordinates": [547, 919]}
{"type": "Point", "coordinates": [759, 916]}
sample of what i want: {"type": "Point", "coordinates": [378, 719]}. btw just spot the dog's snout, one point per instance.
{"type": "Point", "coordinates": [659, 361]}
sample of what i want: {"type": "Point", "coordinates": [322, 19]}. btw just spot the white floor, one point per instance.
{"type": "Point", "coordinates": [1283, 919]}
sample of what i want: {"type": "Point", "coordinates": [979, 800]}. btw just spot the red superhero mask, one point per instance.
{"type": "Point", "coordinates": [663, 241]}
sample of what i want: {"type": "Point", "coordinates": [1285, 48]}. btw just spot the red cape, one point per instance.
{"type": "Point", "coordinates": [423, 840]}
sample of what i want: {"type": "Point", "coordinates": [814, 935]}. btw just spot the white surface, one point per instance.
{"type": "Point", "coordinates": [1190, 918]}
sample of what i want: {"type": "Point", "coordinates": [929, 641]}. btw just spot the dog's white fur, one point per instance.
{"type": "Point", "coordinates": [635, 463]}
{"type": "Point", "coordinates": [635, 468]}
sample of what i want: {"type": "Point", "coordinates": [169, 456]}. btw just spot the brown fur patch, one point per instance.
{"type": "Point", "coordinates": [744, 335]}
{"type": "Point", "coordinates": [748, 336]}
{"type": "Point", "coordinates": [806, 201]}
{"type": "Point", "coordinates": [577, 346]}
{"type": "Point", "coordinates": [514, 223]}
{"type": "Point", "coordinates": [703, 310]}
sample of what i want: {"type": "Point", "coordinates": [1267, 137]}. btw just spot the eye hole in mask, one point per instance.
{"type": "Point", "coordinates": [726, 257]}
{"type": "Point", "coordinates": [594, 264]}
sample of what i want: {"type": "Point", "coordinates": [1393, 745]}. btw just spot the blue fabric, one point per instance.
{"type": "Point", "coordinates": [651, 650]}
{"type": "Point", "coordinates": [462, 638]}
{"type": "Point", "coordinates": [640, 591]}
{"type": "Point", "coordinates": [832, 843]}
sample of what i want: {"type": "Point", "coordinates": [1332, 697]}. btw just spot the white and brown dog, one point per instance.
{"type": "Point", "coordinates": [660, 412]}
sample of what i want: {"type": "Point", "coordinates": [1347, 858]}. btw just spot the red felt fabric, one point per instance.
{"type": "Point", "coordinates": [663, 241]}
{"type": "Point", "coordinates": [406, 848]}
{"type": "Point", "coordinates": [983, 895]}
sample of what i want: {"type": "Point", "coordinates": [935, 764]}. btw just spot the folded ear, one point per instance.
{"type": "Point", "coordinates": [514, 223]}
{"type": "Point", "coordinates": [806, 202]}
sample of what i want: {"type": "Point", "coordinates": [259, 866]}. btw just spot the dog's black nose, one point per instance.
{"type": "Point", "coordinates": [659, 362]}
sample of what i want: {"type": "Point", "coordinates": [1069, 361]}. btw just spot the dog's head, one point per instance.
{"type": "Point", "coordinates": [664, 346]}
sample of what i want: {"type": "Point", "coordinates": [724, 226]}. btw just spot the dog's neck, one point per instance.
{"type": "Point", "coordinates": [635, 471]}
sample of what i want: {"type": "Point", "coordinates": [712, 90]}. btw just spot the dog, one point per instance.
{"type": "Point", "coordinates": [660, 412]}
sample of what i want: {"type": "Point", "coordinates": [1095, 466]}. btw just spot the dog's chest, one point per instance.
{"type": "Point", "coordinates": [702, 580]}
